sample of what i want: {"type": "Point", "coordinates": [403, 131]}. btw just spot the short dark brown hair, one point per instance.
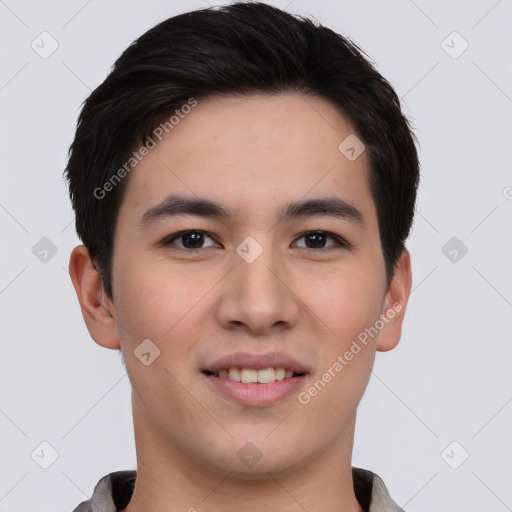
{"type": "Point", "coordinates": [240, 49]}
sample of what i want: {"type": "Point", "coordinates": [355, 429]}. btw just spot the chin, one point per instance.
{"type": "Point", "coordinates": [259, 458]}
{"type": "Point", "coordinates": [268, 469]}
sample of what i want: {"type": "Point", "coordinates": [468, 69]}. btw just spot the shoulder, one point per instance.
{"type": "Point", "coordinates": [111, 493]}
{"type": "Point", "coordinates": [372, 493]}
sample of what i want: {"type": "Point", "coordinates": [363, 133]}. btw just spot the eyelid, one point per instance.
{"type": "Point", "coordinates": [168, 239]}
{"type": "Point", "coordinates": [340, 240]}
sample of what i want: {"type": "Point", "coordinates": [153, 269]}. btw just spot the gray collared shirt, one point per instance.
{"type": "Point", "coordinates": [114, 491]}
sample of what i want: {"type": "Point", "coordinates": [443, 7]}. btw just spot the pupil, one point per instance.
{"type": "Point", "coordinates": [319, 237]}
{"type": "Point", "coordinates": [195, 239]}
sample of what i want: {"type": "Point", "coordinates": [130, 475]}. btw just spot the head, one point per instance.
{"type": "Point", "coordinates": [254, 109]}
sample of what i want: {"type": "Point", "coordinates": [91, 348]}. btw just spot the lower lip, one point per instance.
{"type": "Point", "coordinates": [256, 394]}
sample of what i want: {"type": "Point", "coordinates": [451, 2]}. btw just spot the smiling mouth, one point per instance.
{"type": "Point", "coordinates": [251, 375]}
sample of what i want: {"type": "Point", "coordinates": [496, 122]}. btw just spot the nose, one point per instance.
{"type": "Point", "coordinates": [257, 297]}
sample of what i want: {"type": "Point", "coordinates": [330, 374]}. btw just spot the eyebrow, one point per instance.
{"type": "Point", "coordinates": [176, 205]}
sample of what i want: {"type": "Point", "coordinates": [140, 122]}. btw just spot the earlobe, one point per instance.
{"type": "Point", "coordinates": [395, 303]}
{"type": "Point", "coordinates": [97, 311]}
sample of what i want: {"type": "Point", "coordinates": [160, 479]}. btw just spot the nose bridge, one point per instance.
{"type": "Point", "coordinates": [255, 292]}
{"type": "Point", "coordinates": [256, 267]}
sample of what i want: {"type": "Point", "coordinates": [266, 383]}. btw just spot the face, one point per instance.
{"type": "Point", "coordinates": [301, 282]}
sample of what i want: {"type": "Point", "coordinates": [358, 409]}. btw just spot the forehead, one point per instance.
{"type": "Point", "coordinates": [252, 150]}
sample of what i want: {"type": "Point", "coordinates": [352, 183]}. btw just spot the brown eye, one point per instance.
{"type": "Point", "coordinates": [189, 240]}
{"type": "Point", "coordinates": [317, 239]}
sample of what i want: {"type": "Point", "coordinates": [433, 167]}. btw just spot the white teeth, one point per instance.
{"type": "Point", "coordinates": [234, 374]}
{"type": "Point", "coordinates": [248, 375]}
{"type": "Point", "coordinates": [267, 375]}
{"type": "Point", "coordinates": [280, 373]}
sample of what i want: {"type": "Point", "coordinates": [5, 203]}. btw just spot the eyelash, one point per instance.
{"type": "Point", "coordinates": [339, 241]}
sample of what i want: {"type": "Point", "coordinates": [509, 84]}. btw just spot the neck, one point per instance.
{"type": "Point", "coordinates": [170, 480]}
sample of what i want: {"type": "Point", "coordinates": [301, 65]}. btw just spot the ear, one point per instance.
{"type": "Point", "coordinates": [395, 303]}
{"type": "Point", "coordinates": [98, 311]}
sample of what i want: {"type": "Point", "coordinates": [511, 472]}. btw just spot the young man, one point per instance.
{"type": "Point", "coordinates": [244, 182]}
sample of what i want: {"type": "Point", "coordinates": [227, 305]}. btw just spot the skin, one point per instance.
{"type": "Point", "coordinates": [252, 154]}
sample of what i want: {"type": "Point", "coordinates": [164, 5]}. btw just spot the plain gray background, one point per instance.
{"type": "Point", "coordinates": [446, 391]}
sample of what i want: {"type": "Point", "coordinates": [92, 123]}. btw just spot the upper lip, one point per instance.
{"type": "Point", "coordinates": [256, 361]}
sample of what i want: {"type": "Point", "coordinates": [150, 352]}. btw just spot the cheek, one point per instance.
{"type": "Point", "coordinates": [347, 357]}
{"type": "Point", "coordinates": [164, 304]}
{"type": "Point", "coordinates": [167, 312]}
{"type": "Point", "coordinates": [345, 302]}
{"type": "Point", "coordinates": [148, 302]}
